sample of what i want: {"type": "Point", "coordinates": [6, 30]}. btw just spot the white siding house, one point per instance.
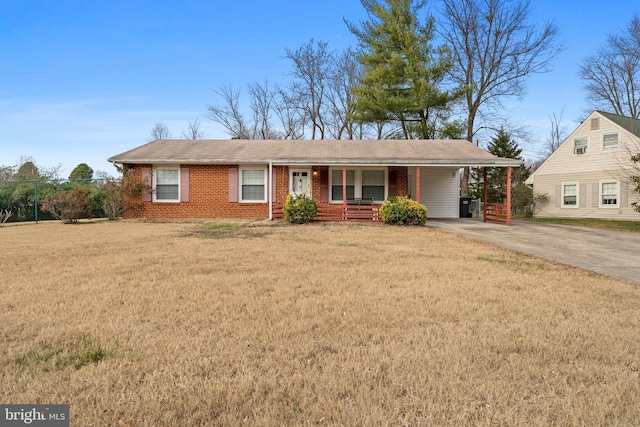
{"type": "Point", "coordinates": [589, 175]}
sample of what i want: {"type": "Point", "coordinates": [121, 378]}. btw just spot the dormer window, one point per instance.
{"type": "Point", "coordinates": [580, 145]}
{"type": "Point", "coordinates": [610, 141]}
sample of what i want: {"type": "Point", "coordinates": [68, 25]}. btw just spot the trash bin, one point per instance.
{"type": "Point", "coordinates": [465, 205]}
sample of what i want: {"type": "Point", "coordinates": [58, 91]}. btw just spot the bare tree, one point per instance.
{"type": "Point", "coordinates": [262, 100]}
{"type": "Point", "coordinates": [611, 76]}
{"type": "Point", "coordinates": [229, 115]}
{"type": "Point", "coordinates": [557, 134]}
{"type": "Point", "coordinates": [494, 48]}
{"type": "Point", "coordinates": [193, 131]}
{"type": "Point", "coordinates": [343, 76]}
{"type": "Point", "coordinates": [160, 131]}
{"type": "Point", "coordinates": [311, 64]}
{"type": "Point", "coordinates": [5, 214]}
{"type": "Point", "coordinates": [291, 117]}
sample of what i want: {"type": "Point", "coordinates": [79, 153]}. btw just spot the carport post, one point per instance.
{"type": "Point", "coordinates": [484, 201]}
{"type": "Point", "coordinates": [508, 195]}
{"type": "Point", "coordinates": [418, 184]}
{"type": "Point", "coordinates": [344, 192]}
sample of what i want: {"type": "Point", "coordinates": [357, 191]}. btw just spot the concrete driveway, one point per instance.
{"type": "Point", "coordinates": [611, 253]}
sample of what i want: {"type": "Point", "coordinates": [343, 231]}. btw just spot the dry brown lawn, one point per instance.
{"type": "Point", "coordinates": [192, 324]}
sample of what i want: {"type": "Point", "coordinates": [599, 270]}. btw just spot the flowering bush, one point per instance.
{"type": "Point", "coordinates": [401, 210]}
{"type": "Point", "coordinates": [299, 209]}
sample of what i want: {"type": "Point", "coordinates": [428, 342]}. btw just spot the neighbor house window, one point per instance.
{"type": "Point", "coordinates": [609, 193]}
{"type": "Point", "coordinates": [580, 145]}
{"type": "Point", "coordinates": [610, 141]}
{"type": "Point", "coordinates": [336, 184]}
{"type": "Point", "coordinates": [570, 195]}
{"type": "Point", "coordinates": [167, 184]}
{"type": "Point", "coordinates": [253, 184]}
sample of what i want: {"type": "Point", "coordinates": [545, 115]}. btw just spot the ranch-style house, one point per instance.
{"type": "Point", "coordinates": [349, 179]}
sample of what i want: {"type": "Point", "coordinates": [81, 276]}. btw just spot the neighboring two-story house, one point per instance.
{"type": "Point", "coordinates": [589, 175]}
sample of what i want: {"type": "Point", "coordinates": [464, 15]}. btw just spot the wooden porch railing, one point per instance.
{"type": "Point", "coordinates": [497, 212]}
{"type": "Point", "coordinates": [361, 213]}
{"type": "Point", "coordinates": [328, 212]}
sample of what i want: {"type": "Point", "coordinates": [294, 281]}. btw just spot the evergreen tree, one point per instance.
{"type": "Point", "coordinates": [502, 145]}
{"type": "Point", "coordinates": [28, 170]}
{"type": "Point", "coordinates": [403, 74]}
{"type": "Point", "coordinates": [82, 171]}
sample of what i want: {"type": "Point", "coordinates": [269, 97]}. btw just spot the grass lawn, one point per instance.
{"type": "Point", "coordinates": [604, 224]}
{"type": "Point", "coordinates": [193, 324]}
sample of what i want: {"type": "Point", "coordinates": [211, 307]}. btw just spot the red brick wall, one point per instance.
{"type": "Point", "coordinates": [208, 198]}
{"type": "Point", "coordinates": [209, 195]}
{"type": "Point", "coordinates": [402, 179]}
{"type": "Point", "coordinates": [282, 184]}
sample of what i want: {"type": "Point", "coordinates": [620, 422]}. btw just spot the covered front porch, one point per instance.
{"type": "Point", "coordinates": [356, 193]}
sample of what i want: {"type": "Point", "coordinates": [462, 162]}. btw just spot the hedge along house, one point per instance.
{"type": "Point", "coordinates": [349, 179]}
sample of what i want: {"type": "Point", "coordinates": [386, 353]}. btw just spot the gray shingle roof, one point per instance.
{"type": "Point", "coordinates": [629, 124]}
{"type": "Point", "coordinates": [317, 152]}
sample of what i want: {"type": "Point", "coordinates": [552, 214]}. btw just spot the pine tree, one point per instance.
{"type": "Point", "coordinates": [403, 73]}
{"type": "Point", "coordinates": [81, 172]}
{"type": "Point", "coordinates": [502, 145]}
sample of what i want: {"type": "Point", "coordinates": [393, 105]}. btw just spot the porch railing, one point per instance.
{"type": "Point", "coordinates": [328, 212]}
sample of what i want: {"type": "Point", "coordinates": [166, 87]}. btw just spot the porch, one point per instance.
{"type": "Point", "coordinates": [339, 195]}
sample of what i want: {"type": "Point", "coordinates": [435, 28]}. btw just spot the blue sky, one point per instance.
{"type": "Point", "coordinates": [81, 81]}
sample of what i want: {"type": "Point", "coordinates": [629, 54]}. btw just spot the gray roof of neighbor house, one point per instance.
{"type": "Point", "coordinates": [628, 123]}
{"type": "Point", "coordinates": [316, 152]}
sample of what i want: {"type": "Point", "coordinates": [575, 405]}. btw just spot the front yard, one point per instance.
{"type": "Point", "coordinates": [185, 324]}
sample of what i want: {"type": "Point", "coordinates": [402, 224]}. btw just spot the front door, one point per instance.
{"type": "Point", "coordinates": [301, 182]}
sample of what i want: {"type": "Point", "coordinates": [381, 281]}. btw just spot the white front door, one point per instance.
{"type": "Point", "coordinates": [301, 182]}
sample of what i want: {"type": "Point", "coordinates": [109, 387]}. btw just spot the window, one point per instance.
{"type": "Point", "coordinates": [167, 184]}
{"type": "Point", "coordinates": [610, 141]}
{"type": "Point", "coordinates": [336, 184]}
{"type": "Point", "coordinates": [609, 193]}
{"type": "Point", "coordinates": [366, 184]}
{"type": "Point", "coordinates": [580, 145]}
{"type": "Point", "coordinates": [253, 184]}
{"type": "Point", "coordinates": [570, 195]}
{"type": "Point", "coordinates": [373, 184]}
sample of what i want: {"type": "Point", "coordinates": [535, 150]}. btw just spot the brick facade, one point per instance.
{"type": "Point", "coordinates": [402, 179]}
{"type": "Point", "coordinates": [209, 194]}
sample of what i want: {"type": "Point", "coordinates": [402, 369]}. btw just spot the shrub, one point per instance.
{"type": "Point", "coordinates": [401, 210]}
{"type": "Point", "coordinates": [69, 206]}
{"type": "Point", "coordinates": [299, 209]}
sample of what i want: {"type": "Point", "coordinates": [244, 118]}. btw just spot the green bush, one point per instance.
{"type": "Point", "coordinates": [299, 209]}
{"type": "Point", "coordinates": [401, 210]}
